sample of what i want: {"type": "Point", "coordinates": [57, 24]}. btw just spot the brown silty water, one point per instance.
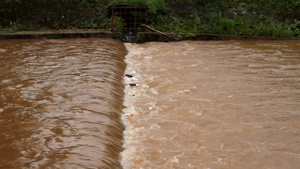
{"type": "Point", "coordinates": [213, 104]}
{"type": "Point", "coordinates": [60, 103]}
{"type": "Point", "coordinates": [217, 104]}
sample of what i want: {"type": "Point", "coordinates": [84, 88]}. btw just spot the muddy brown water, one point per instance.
{"type": "Point", "coordinates": [209, 104]}
{"type": "Point", "coordinates": [60, 103]}
{"type": "Point", "coordinates": [216, 104]}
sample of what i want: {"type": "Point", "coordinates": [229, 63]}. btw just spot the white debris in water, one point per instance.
{"type": "Point", "coordinates": [133, 79]}
{"type": "Point", "coordinates": [153, 91]}
{"type": "Point", "coordinates": [134, 87]}
{"type": "Point", "coordinates": [131, 92]}
{"type": "Point", "coordinates": [175, 159]}
{"type": "Point", "coordinates": [128, 80]}
{"type": "Point", "coordinates": [133, 73]}
{"type": "Point", "coordinates": [1, 110]}
{"type": "Point", "coordinates": [184, 91]}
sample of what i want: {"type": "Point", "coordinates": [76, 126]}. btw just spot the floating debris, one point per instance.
{"type": "Point", "coordinates": [133, 72]}
{"type": "Point", "coordinates": [131, 93]}
{"type": "Point", "coordinates": [129, 114]}
{"type": "Point", "coordinates": [133, 84]}
{"type": "Point", "coordinates": [129, 76]}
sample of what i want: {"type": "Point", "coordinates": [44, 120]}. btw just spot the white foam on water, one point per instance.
{"type": "Point", "coordinates": [210, 108]}
{"type": "Point", "coordinates": [130, 111]}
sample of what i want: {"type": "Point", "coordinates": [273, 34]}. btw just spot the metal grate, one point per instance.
{"type": "Point", "coordinates": [134, 17]}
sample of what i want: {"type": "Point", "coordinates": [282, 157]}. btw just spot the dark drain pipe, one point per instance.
{"type": "Point", "coordinates": [130, 38]}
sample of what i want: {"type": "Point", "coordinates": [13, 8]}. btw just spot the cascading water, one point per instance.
{"type": "Point", "coordinates": [212, 104]}
{"type": "Point", "coordinates": [60, 103]}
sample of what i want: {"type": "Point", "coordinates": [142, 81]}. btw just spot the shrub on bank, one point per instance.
{"type": "Point", "coordinates": [52, 14]}
{"type": "Point", "coordinates": [276, 18]}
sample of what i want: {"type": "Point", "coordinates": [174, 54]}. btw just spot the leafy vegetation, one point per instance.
{"type": "Point", "coordinates": [272, 18]}
{"type": "Point", "coordinates": [295, 28]}
{"type": "Point", "coordinates": [52, 14]}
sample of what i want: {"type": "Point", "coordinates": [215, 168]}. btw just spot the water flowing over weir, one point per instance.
{"type": "Point", "coordinates": [212, 104]}
{"type": "Point", "coordinates": [60, 103]}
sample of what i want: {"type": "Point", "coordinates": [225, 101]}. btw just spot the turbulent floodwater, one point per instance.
{"type": "Point", "coordinates": [216, 104]}
{"type": "Point", "coordinates": [212, 104]}
{"type": "Point", "coordinates": [60, 103]}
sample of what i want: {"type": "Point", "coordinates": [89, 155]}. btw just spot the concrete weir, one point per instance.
{"type": "Point", "coordinates": [145, 36]}
{"type": "Point", "coordinates": [53, 34]}
{"type": "Point", "coordinates": [61, 34]}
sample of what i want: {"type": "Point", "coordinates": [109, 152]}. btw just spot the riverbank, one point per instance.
{"type": "Point", "coordinates": [181, 18]}
{"type": "Point", "coordinates": [142, 36]}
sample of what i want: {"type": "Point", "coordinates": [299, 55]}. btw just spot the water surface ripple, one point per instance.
{"type": "Point", "coordinates": [60, 103]}
{"type": "Point", "coordinates": [213, 104]}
